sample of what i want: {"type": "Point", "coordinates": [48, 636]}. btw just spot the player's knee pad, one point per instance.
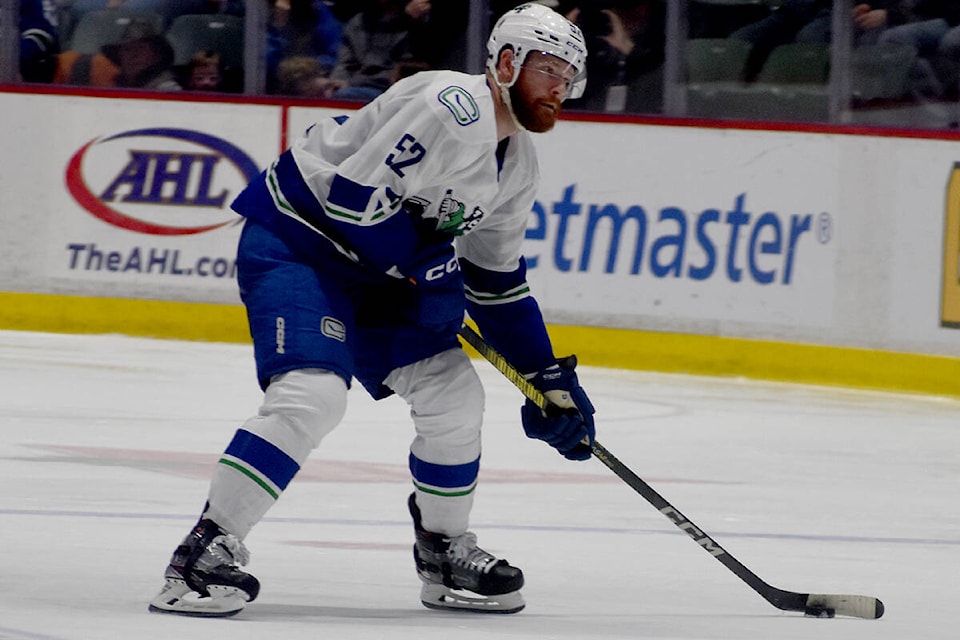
{"type": "Point", "coordinates": [299, 408]}
{"type": "Point", "coordinates": [446, 403]}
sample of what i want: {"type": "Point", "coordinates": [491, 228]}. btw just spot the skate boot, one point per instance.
{"type": "Point", "coordinates": [203, 577]}
{"type": "Point", "coordinates": [457, 574]}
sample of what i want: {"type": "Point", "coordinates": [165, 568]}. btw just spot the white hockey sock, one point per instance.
{"type": "Point", "coordinates": [299, 409]}
{"type": "Point", "coordinates": [446, 405]}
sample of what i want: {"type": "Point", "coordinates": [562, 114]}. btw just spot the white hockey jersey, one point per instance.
{"type": "Point", "coordinates": [425, 149]}
{"type": "Point", "coordinates": [424, 156]}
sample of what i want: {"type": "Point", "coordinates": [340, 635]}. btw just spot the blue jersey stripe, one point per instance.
{"type": "Point", "coordinates": [349, 196]}
{"type": "Point", "coordinates": [263, 456]}
{"type": "Point", "coordinates": [296, 191]}
{"type": "Point", "coordinates": [444, 475]}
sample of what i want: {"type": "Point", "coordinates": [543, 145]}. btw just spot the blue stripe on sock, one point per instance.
{"type": "Point", "coordinates": [263, 456]}
{"type": "Point", "coordinates": [443, 475]}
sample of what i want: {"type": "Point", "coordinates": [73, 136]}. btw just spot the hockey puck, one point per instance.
{"type": "Point", "coordinates": [819, 611]}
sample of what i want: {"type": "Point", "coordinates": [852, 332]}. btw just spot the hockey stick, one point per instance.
{"type": "Point", "coordinates": [821, 605]}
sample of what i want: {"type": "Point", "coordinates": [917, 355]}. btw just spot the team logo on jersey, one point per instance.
{"type": "Point", "coordinates": [454, 218]}
{"type": "Point", "coordinates": [461, 104]}
{"type": "Point", "coordinates": [159, 181]}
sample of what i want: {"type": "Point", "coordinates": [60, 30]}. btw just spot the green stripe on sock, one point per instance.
{"type": "Point", "coordinates": [252, 476]}
{"type": "Point", "coordinates": [445, 494]}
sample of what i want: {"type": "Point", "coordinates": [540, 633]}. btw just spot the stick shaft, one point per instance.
{"type": "Point", "coordinates": [861, 606]}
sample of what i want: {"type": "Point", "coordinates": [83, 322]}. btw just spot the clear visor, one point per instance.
{"type": "Point", "coordinates": [555, 69]}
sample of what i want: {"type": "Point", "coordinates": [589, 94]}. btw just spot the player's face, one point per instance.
{"type": "Point", "coordinates": [540, 89]}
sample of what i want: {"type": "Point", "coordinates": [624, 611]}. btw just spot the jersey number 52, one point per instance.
{"type": "Point", "coordinates": [407, 152]}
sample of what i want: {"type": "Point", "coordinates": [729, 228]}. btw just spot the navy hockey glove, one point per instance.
{"type": "Point", "coordinates": [438, 284]}
{"type": "Point", "coordinates": [568, 420]}
{"type": "Point", "coordinates": [434, 266]}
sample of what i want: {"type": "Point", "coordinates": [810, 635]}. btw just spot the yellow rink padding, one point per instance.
{"type": "Point", "coordinates": [767, 360]}
{"type": "Point", "coordinates": [151, 318]}
{"type": "Point", "coordinates": [616, 348]}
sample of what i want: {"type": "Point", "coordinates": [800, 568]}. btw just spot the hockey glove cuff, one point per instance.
{"type": "Point", "coordinates": [567, 424]}
{"type": "Point", "coordinates": [438, 287]}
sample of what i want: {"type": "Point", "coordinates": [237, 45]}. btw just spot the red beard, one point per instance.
{"type": "Point", "coordinates": [537, 117]}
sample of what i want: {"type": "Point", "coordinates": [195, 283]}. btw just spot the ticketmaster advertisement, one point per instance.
{"type": "Point", "coordinates": [681, 225]}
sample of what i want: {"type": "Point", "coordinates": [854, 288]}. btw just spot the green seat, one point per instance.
{"type": "Point", "coordinates": [716, 59]}
{"type": "Point", "coordinates": [773, 102]}
{"type": "Point", "coordinates": [797, 63]}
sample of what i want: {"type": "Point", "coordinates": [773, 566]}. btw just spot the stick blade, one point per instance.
{"type": "Point", "coordinates": [846, 605]}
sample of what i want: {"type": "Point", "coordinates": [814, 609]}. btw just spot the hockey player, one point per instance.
{"type": "Point", "coordinates": [362, 246]}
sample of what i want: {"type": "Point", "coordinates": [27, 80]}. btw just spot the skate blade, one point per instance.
{"type": "Point", "coordinates": [437, 596]}
{"type": "Point", "coordinates": [177, 598]}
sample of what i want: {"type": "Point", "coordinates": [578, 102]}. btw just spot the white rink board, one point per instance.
{"type": "Point", "coordinates": [838, 240]}
{"type": "Point", "coordinates": [766, 254]}
{"type": "Point", "coordinates": [180, 172]}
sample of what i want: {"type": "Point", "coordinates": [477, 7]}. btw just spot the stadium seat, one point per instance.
{"type": "Point", "coordinates": [716, 59]}
{"type": "Point", "coordinates": [792, 86]}
{"type": "Point", "coordinates": [221, 33]}
{"type": "Point", "coordinates": [99, 28]}
{"type": "Point", "coordinates": [797, 63]}
{"type": "Point", "coordinates": [780, 102]}
{"type": "Point", "coordinates": [881, 71]}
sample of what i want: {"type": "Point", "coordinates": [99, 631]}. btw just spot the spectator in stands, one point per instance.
{"type": "Point", "coordinates": [204, 72]}
{"type": "Point", "coordinates": [169, 9]}
{"type": "Point", "coordinates": [301, 29]}
{"type": "Point", "coordinates": [869, 20]}
{"type": "Point", "coordinates": [811, 21]}
{"type": "Point", "coordinates": [925, 23]}
{"type": "Point", "coordinates": [376, 41]}
{"type": "Point", "coordinates": [143, 59]}
{"type": "Point", "coordinates": [439, 37]}
{"type": "Point", "coordinates": [929, 26]}
{"type": "Point", "coordinates": [950, 45]}
{"type": "Point", "coordinates": [303, 76]}
{"type": "Point", "coordinates": [626, 40]}
{"type": "Point", "coordinates": [39, 42]}
{"type": "Point", "coordinates": [85, 70]}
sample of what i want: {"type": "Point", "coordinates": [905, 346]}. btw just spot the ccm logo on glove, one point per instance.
{"type": "Point", "coordinates": [439, 271]}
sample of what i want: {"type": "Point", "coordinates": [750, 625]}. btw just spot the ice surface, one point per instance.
{"type": "Point", "coordinates": [107, 443]}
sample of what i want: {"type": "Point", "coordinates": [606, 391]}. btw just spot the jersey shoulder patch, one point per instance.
{"type": "Point", "coordinates": [460, 103]}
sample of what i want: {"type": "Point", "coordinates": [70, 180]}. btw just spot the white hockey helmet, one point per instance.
{"type": "Point", "coordinates": [535, 27]}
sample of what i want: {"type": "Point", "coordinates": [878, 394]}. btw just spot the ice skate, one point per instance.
{"type": "Point", "coordinates": [203, 577]}
{"type": "Point", "coordinates": [457, 574]}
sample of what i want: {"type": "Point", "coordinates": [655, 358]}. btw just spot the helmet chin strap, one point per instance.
{"type": "Point", "coordinates": [508, 103]}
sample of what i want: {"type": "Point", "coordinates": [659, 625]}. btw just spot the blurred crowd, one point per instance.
{"type": "Point", "coordinates": [355, 49]}
{"type": "Point", "coordinates": [349, 50]}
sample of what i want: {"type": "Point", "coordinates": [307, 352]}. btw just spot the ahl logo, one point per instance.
{"type": "Point", "coordinates": [159, 181]}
